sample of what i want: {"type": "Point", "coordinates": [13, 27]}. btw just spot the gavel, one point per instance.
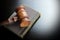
{"type": "Point", "coordinates": [22, 16]}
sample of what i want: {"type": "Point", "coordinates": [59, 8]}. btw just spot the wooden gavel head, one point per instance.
{"type": "Point", "coordinates": [23, 16]}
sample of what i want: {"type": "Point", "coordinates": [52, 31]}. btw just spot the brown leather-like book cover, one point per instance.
{"type": "Point", "coordinates": [21, 32]}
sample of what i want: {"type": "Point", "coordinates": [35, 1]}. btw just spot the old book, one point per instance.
{"type": "Point", "coordinates": [21, 32]}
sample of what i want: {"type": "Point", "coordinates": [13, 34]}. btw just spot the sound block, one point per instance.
{"type": "Point", "coordinates": [21, 32]}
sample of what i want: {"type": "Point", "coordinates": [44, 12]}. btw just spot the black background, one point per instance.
{"type": "Point", "coordinates": [8, 6]}
{"type": "Point", "coordinates": [8, 35]}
